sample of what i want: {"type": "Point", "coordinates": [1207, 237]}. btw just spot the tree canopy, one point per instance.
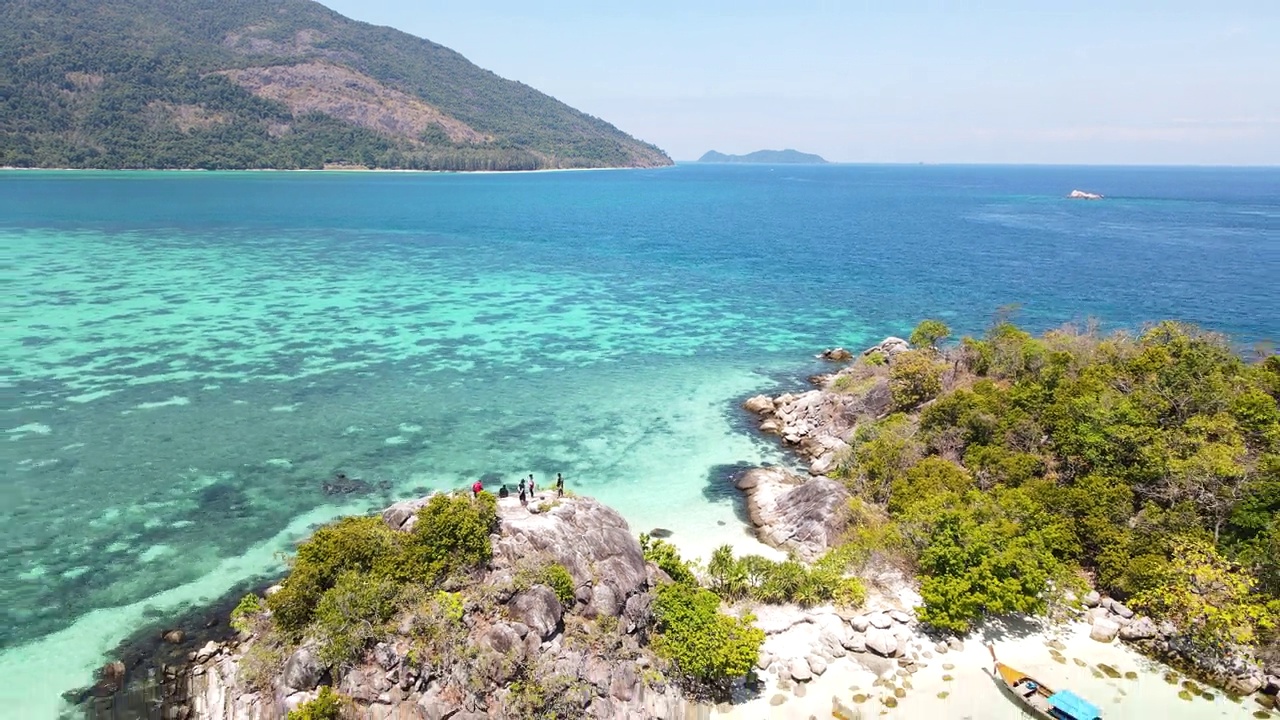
{"type": "Point", "coordinates": [1150, 462]}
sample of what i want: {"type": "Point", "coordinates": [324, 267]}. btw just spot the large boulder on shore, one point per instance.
{"type": "Point", "coordinates": [793, 513]}
{"type": "Point", "coordinates": [1142, 628]}
{"type": "Point", "coordinates": [882, 642]}
{"type": "Point", "coordinates": [1104, 630]}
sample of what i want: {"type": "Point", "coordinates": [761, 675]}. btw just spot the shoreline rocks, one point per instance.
{"type": "Point", "coordinates": [788, 512]}
{"type": "Point", "coordinates": [1111, 619]}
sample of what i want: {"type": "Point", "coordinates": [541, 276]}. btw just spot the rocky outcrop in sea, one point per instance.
{"type": "Point", "coordinates": [596, 644]}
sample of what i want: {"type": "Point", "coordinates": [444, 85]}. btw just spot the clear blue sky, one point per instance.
{"type": "Point", "coordinates": [1003, 81]}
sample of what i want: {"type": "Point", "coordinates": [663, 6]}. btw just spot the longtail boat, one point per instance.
{"type": "Point", "coordinates": [1038, 699]}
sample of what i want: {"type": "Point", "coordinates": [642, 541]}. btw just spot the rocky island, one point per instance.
{"type": "Point", "coordinates": [953, 496]}
{"type": "Point", "coordinates": [766, 157]}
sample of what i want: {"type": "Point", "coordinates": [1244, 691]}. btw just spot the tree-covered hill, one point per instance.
{"type": "Point", "coordinates": [268, 83]}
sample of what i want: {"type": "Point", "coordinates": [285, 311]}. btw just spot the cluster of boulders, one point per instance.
{"type": "Point", "coordinates": [818, 424]}
{"type": "Point", "coordinates": [1111, 619]}
{"type": "Point", "coordinates": [888, 347]}
{"type": "Point", "coordinates": [801, 645]}
{"type": "Point", "coordinates": [529, 631]}
{"type": "Point", "coordinates": [799, 514]}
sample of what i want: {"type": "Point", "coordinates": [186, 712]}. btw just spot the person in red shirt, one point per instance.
{"type": "Point", "coordinates": [477, 489]}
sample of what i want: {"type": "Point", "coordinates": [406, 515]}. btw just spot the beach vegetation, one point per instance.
{"type": "Point", "coordinates": [352, 615]}
{"type": "Point", "coordinates": [708, 648]}
{"type": "Point", "coordinates": [1207, 598]}
{"type": "Point", "coordinates": [667, 558]}
{"type": "Point", "coordinates": [1148, 461]}
{"type": "Point", "coordinates": [753, 577]}
{"type": "Point", "coordinates": [880, 452]}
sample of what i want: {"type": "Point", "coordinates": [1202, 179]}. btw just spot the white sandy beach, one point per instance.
{"type": "Point", "coordinates": [960, 684]}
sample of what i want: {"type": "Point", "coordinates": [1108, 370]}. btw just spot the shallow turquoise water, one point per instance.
{"type": "Point", "coordinates": [189, 356]}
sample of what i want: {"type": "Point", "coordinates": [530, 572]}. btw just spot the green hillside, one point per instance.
{"type": "Point", "coordinates": [268, 83]}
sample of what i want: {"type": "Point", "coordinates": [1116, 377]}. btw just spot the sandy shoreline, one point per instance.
{"type": "Point", "coordinates": [960, 684]}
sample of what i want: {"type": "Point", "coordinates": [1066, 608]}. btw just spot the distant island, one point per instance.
{"type": "Point", "coordinates": [771, 157]}
{"type": "Point", "coordinates": [284, 84]}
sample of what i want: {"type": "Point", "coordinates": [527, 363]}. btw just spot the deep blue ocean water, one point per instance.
{"type": "Point", "coordinates": [188, 356]}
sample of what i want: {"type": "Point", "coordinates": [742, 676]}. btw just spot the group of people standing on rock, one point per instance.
{"type": "Point", "coordinates": [525, 488]}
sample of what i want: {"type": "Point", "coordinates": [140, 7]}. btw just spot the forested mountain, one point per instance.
{"type": "Point", "coordinates": [772, 157]}
{"type": "Point", "coordinates": [268, 83]}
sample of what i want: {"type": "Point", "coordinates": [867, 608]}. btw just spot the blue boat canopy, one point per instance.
{"type": "Point", "coordinates": [1072, 706]}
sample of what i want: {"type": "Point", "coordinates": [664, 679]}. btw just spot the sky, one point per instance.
{"type": "Point", "coordinates": [899, 81]}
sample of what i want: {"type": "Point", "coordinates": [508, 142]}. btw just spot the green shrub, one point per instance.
{"type": "Point", "coordinates": [881, 451]}
{"type": "Point", "coordinates": [708, 648]}
{"type": "Point", "coordinates": [993, 465]}
{"type": "Point", "coordinates": [438, 637]}
{"type": "Point", "coordinates": [768, 581]}
{"type": "Point", "coordinates": [1205, 596]}
{"type": "Point", "coordinates": [929, 333]}
{"type": "Point", "coordinates": [451, 534]}
{"type": "Point", "coordinates": [360, 544]}
{"type": "Point", "coordinates": [667, 558]}
{"type": "Point", "coordinates": [557, 577]}
{"type": "Point", "coordinates": [352, 615]}
{"type": "Point", "coordinates": [931, 476]}
{"type": "Point", "coordinates": [450, 605]}
{"type": "Point", "coordinates": [328, 705]}
{"type": "Point", "coordinates": [853, 384]}
{"type": "Point", "coordinates": [543, 570]}
{"type": "Point", "coordinates": [914, 377]}
{"type": "Point", "coordinates": [246, 610]}
{"type": "Point", "coordinates": [985, 553]}
{"type": "Point", "coordinates": [264, 659]}
{"type": "Point", "coordinates": [544, 695]}
{"type": "Point", "coordinates": [876, 359]}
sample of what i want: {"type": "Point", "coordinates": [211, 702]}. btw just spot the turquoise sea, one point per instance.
{"type": "Point", "coordinates": [189, 356]}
